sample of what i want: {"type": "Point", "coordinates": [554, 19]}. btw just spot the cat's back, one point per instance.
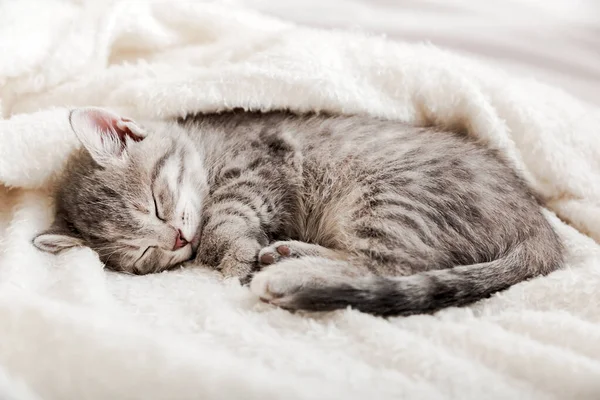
{"type": "Point", "coordinates": [315, 132]}
{"type": "Point", "coordinates": [349, 162]}
{"type": "Point", "coordinates": [355, 141]}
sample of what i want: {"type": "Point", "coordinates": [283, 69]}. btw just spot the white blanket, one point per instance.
{"type": "Point", "coordinates": [71, 330]}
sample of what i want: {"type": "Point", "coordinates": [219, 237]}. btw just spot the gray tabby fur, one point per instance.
{"type": "Point", "coordinates": [317, 212]}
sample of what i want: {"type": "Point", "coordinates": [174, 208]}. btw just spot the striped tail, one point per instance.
{"type": "Point", "coordinates": [432, 290]}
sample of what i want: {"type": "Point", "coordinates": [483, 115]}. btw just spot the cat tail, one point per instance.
{"type": "Point", "coordinates": [435, 289]}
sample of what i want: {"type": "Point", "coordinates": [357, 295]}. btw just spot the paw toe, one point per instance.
{"type": "Point", "coordinates": [275, 253]}
{"type": "Point", "coordinates": [267, 258]}
{"type": "Point", "coordinates": [284, 250]}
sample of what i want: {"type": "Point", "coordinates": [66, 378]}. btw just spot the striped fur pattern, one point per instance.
{"type": "Point", "coordinates": [316, 212]}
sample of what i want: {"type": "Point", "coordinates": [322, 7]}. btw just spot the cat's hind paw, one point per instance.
{"type": "Point", "coordinates": [275, 252]}
{"type": "Point", "coordinates": [277, 284]}
{"type": "Point", "coordinates": [292, 283]}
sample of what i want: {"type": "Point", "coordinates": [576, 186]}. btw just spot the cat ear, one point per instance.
{"type": "Point", "coordinates": [56, 239]}
{"type": "Point", "coordinates": [104, 134]}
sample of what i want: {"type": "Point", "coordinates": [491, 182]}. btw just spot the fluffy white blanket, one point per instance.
{"type": "Point", "coordinates": [71, 330]}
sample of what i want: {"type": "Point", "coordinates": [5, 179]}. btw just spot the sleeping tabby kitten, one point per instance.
{"type": "Point", "coordinates": [317, 212]}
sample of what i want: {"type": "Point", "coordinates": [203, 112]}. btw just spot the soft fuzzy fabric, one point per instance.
{"type": "Point", "coordinates": [556, 41]}
{"type": "Point", "coordinates": [70, 330]}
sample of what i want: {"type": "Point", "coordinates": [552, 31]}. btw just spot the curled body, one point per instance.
{"type": "Point", "coordinates": [316, 212]}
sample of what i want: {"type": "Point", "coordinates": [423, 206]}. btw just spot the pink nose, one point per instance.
{"type": "Point", "coordinates": [179, 241]}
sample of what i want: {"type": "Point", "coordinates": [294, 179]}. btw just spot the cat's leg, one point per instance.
{"type": "Point", "coordinates": [281, 250]}
{"type": "Point", "coordinates": [232, 237]}
{"type": "Point", "coordinates": [249, 203]}
{"type": "Point", "coordinates": [285, 284]}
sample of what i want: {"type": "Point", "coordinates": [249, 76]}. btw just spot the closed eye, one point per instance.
{"type": "Point", "coordinates": [156, 212]}
{"type": "Point", "coordinates": [144, 253]}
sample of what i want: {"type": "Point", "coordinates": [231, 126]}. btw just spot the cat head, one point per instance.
{"type": "Point", "coordinates": [133, 193]}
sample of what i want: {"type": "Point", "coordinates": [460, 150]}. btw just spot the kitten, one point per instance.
{"type": "Point", "coordinates": [318, 212]}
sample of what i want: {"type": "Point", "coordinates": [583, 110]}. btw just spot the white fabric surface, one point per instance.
{"type": "Point", "coordinates": [70, 330]}
{"type": "Point", "coordinates": [555, 41]}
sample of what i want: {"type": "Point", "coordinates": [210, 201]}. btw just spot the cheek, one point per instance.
{"type": "Point", "coordinates": [162, 236]}
{"type": "Point", "coordinates": [151, 232]}
{"type": "Point", "coordinates": [147, 224]}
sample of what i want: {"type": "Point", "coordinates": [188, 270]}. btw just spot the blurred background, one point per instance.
{"type": "Point", "coordinates": [554, 41]}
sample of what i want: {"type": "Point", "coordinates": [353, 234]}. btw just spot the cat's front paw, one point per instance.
{"type": "Point", "coordinates": [234, 258]}
{"type": "Point", "coordinates": [233, 267]}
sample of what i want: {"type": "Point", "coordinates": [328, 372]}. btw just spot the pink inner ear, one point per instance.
{"type": "Point", "coordinates": [126, 131]}
{"type": "Point", "coordinates": [108, 124]}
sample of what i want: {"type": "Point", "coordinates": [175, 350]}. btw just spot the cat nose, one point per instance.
{"type": "Point", "coordinates": [179, 241]}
